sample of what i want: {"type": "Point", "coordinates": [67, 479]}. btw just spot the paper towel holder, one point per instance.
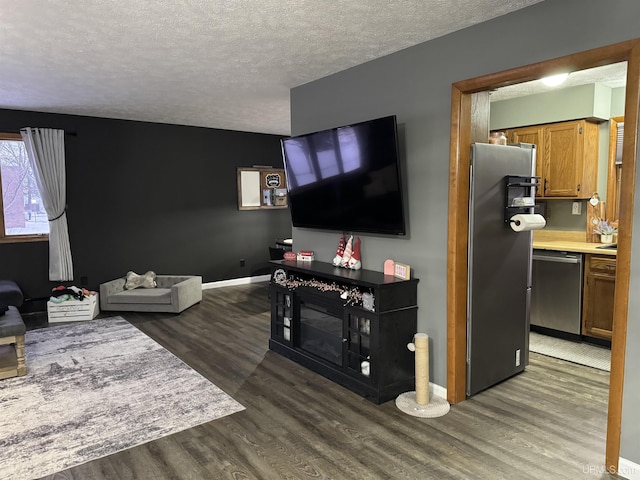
{"type": "Point", "coordinates": [519, 195]}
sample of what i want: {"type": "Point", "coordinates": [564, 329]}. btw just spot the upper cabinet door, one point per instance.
{"type": "Point", "coordinates": [566, 157]}
{"type": "Point", "coordinates": [535, 136]}
{"type": "Point", "coordinates": [571, 159]}
{"type": "Point", "coordinates": [563, 150]}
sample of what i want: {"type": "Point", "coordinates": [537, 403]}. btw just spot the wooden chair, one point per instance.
{"type": "Point", "coordinates": [12, 330]}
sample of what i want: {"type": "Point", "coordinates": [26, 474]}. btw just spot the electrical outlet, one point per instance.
{"type": "Point", "coordinates": [576, 208]}
{"type": "Point", "coordinates": [84, 280]}
{"type": "Point", "coordinates": [242, 262]}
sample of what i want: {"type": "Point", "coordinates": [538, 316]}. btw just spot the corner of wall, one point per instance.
{"type": "Point", "coordinates": [601, 102]}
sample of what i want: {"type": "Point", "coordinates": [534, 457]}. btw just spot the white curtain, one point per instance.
{"type": "Point", "coordinates": [45, 149]}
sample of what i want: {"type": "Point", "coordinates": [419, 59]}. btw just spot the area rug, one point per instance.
{"type": "Point", "coordinates": [95, 388]}
{"type": "Point", "coordinates": [575, 352]}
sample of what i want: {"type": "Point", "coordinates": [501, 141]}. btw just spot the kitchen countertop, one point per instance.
{"type": "Point", "coordinates": [570, 246]}
{"type": "Point", "coordinates": [568, 241]}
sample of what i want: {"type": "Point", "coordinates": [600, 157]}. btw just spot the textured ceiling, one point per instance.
{"type": "Point", "coordinates": [219, 63]}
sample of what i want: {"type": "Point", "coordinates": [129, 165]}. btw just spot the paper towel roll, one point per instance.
{"type": "Point", "coordinates": [527, 221]}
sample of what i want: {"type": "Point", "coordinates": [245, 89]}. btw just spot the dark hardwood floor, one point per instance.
{"type": "Point", "coordinates": [546, 423]}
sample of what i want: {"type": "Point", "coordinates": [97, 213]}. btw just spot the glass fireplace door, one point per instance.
{"type": "Point", "coordinates": [321, 329]}
{"type": "Point", "coordinates": [359, 344]}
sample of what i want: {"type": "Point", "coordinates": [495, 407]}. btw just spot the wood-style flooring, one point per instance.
{"type": "Point", "coordinates": [546, 423]}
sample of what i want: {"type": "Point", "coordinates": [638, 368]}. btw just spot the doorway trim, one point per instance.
{"type": "Point", "coordinates": [466, 122]}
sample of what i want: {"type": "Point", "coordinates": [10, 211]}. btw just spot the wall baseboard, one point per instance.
{"type": "Point", "coordinates": [438, 390]}
{"type": "Point", "coordinates": [628, 469]}
{"type": "Point", "coordinates": [236, 281]}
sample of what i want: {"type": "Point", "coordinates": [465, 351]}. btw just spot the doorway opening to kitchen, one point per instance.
{"type": "Point", "coordinates": [470, 122]}
{"type": "Point", "coordinates": [570, 120]}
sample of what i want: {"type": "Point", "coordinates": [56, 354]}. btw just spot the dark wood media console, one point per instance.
{"type": "Point", "coordinates": [351, 326]}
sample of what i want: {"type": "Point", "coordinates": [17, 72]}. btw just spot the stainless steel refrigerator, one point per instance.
{"type": "Point", "coordinates": [499, 264]}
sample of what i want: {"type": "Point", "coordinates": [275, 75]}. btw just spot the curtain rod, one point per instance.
{"type": "Point", "coordinates": [13, 130]}
{"type": "Point", "coordinates": [73, 134]}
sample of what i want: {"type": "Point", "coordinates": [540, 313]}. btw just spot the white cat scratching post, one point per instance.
{"type": "Point", "coordinates": [417, 403]}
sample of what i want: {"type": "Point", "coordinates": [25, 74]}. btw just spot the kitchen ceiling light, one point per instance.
{"type": "Point", "coordinates": [555, 80]}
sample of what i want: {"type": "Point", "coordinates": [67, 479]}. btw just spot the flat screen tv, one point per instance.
{"type": "Point", "coordinates": [346, 178]}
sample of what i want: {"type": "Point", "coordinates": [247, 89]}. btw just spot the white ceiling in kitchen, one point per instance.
{"type": "Point", "coordinates": [613, 76]}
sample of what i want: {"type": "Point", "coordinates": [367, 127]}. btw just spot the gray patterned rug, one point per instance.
{"type": "Point", "coordinates": [95, 388]}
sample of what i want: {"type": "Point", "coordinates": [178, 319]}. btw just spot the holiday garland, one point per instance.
{"type": "Point", "coordinates": [353, 295]}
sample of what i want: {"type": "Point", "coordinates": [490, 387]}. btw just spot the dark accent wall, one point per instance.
{"type": "Point", "coordinates": [148, 196]}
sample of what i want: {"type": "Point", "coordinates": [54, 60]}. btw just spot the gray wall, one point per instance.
{"type": "Point", "coordinates": [148, 196]}
{"type": "Point", "coordinates": [415, 85]}
{"type": "Point", "coordinates": [617, 101]}
{"type": "Point", "coordinates": [559, 217]}
{"type": "Point", "coordinates": [584, 101]}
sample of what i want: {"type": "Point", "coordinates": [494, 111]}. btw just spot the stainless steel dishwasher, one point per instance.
{"type": "Point", "coordinates": [556, 291]}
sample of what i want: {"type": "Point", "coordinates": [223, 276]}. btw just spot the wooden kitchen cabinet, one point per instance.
{"type": "Point", "coordinates": [599, 288]}
{"type": "Point", "coordinates": [567, 157]}
{"type": "Point", "coordinates": [535, 135]}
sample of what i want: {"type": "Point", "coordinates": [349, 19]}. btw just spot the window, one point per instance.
{"type": "Point", "coordinates": [23, 217]}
